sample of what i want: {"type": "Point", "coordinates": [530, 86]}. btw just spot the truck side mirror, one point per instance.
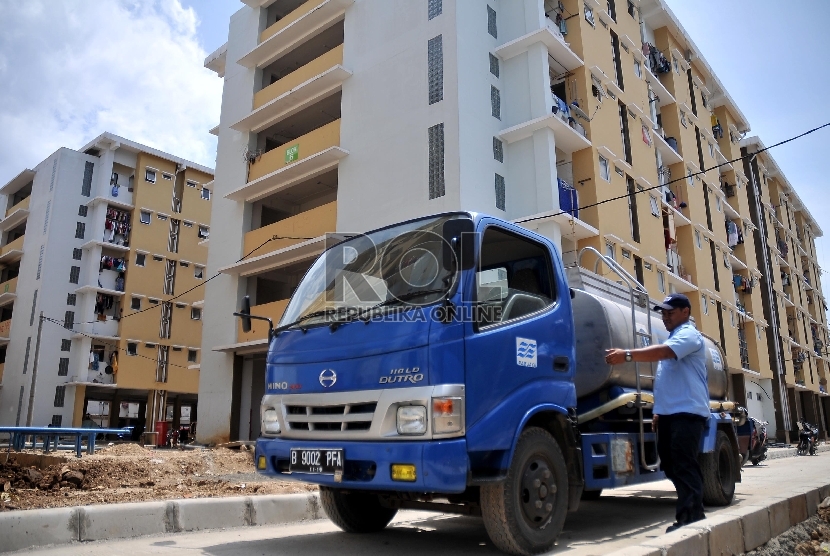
{"type": "Point", "coordinates": [245, 314]}
{"type": "Point", "coordinates": [459, 244]}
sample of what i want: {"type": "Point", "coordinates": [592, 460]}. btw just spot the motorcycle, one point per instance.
{"type": "Point", "coordinates": [807, 438]}
{"type": "Point", "coordinates": [752, 440]}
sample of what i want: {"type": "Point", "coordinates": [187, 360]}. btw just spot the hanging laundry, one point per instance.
{"type": "Point", "coordinates": [93, 360]}
{"type": "Point", "coordinates": [731, 233]}
{"type": "Point", "coordinates": [114, 362]}
{"type": "Point", "coordinates": [717, 130]}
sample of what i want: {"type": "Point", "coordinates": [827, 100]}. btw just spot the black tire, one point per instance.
{"type": "Point", "coordinates": [756, 461]}
{"type": "Point", "coordinates": [524, 514]}
{"type": "Point", "coordinates": [591, 494]}
{"type": "Point", "coordinates": [802, 449]}
{"type": "Point", "coordinates": [718, 468]}
{"type": "Point", "coordinates": [355, 512]}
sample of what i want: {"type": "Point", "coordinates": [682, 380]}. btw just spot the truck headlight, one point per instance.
{"type": "Point", "coordinates": [412, 419]}
{"type": "Point", "coordinates": [446, 415]}
{"type": "Point", "coordinates": [270, 421]}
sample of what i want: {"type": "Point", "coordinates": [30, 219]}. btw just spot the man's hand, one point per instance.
{"type": "Point", "coordinates": [654, 419]}
{"type": "Point", "coordinates": [615, 356]}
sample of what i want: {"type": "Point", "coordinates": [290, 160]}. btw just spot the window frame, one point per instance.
{"type": "Point", "coordinates": [141, 214]}
{"type": "Point", "coordinates": [607, 173]}
{"type": "Point", "coordinates": [195, 313]}
{"type": "Point", "coordinates": [143, 262]}
{"type": "Point", "coordinates": [202, 194]}
{"type": "Point", "coordinates": [150, 175]}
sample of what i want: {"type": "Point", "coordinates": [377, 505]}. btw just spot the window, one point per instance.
{"type": "Point", "coordinates": [434, 9]}
{"type": "Point", "coordinates": [181, 305]}
{"type": "Point", "coordinates": [60, 392]}
{"type": "Point", "coordinates": [83, 210]}
{"type": "Point", "coordinates": [718, 203]}
{"type": "Point", "coordinates": [732, 318]}
{"type": "Point", "coordinates": [74, 274]}
{"type": "Point", "coordinates": [491, 22]}
{"type": "Point", "coordinates": [162, 357]}
{"type": "Point", "coordinates": [80, 230]}
{"type": "Point", "coordinates": [495, 102]}
{"type": "Point", "coordinates": [705, 305]}
{"type": "Point", "coordinates": [177, 348]}
{"type": "Point", "coordinates": [589, 15]}
{"type": "Point", "coordinates": [633, 216]}
{"type": "Point", "coordinates": [615, 57]}
{"type": "Point", "coordinates": [195, 313]}
{"type": "Point", "coordinates": [140, 259]}
{"type": "Point", "coordinates": [626, 254]}
{"type": "Point", "coordinates": [161, 216]}
{"type": "Point", "coordinates": [435, 137]}
{"type": "Point", "coordinates": [63, 366]}
{"type": "Point", "coordinates": [150, 175]}
{"type": "Point", "coordinates": [169, 276]}
{"type": "Point", "coordinates": [494, 65]}
{"type": "Point", "coordinates": [655, 206]}
{"type": "Point", "coordinates": [184, 264]}
{"type": "Point", "coordinates": [690, 178]}
{"type": "Point", "coordinates": [498, 149]}
{"type": "Point", "coordinates": [191, 356]}
{"type": "Point", "coordinates": [57, 420]}
{"type": "Point", "coordinates": [661, 281]}
{"type": "Point", "coordinates": [71, 298]}
{"type": "Point", "coordinates": [624, 134]}
{"type": "Point", "coordinates": [697, 240]}
{"type": "Point", "coordinates": [166, 321]}
{"type": "Point", "coordinates": [206, 194]}
{"type": "Point", "coordinates": [683, 119]}
{"type": "Point", "coordinates": [758, 331]}
{"type": "Point", "coordinates": [144, 217]}
{"type": "Point", "coordinates": [76, 254]}
{"type": "Point", "coordinates": [638, 70]}
{"type": "Point", "coordinates": [198, 272]}
{"type": "Point", "coordinates": [648, 266]}
{"type": "Point", "coordinates": [204, 232]}
{"type": "Point", "coordinates": [69, 320]}
{"type": "Point", "coordinates": [34, 305]}
{"type": "Point", "coordinates": [166, 176]}
{"type": "Point", "coordinates": [158, 258]}
{"type": "Point", "coordinates": [612, 10]}
{"type": "Point", "coordinates": [153, 300]}
{"type": "Point", "coordinates": [711, 150]}
{"type": "Point", "coordinates": [66, 345]}
{"type": "Point", "coordinates": [40, 262]}
{"type": "Point", "coordinates": [187, 224]}
{"type": "Point", "coordinates": [501, 201]}
{"type": "Point", "coordinates": [604, 170]}
{"type": "Point", "coordinates": [132, 348]}
{"type": "Point", "coordinates": [516, 278]}
{"type": "Point", "coordinates": [46, 218]}
{"type": "Point", "coordinates": [135, 303]}
{"type": "Point", "coordinates": [86, 186]}
{"type": "Point", "coordinates": [632, 9]}
{"type": "Point", "coordinates": [674, 63]}
{"type": "Point", "coordinates": [435, 69]}
{"type": "Point", "coordinates": [610, 250]}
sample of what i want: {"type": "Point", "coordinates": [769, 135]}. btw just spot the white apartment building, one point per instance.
{"type": "Point", "coordinates": [85, 244]}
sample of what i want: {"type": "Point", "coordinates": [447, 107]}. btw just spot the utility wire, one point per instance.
{"type": "Point", "coordinates": [628, 195]}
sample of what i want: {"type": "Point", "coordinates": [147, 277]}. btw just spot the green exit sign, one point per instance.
{"type": "Point", "coordinates": [292, 153]}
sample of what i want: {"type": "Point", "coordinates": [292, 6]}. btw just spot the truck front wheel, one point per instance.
{"type": "Point", "coordinates": [524, 514]}
{"type": "Point", "coordinates": [355, 512]}
{"type": "Point", "coordinates": [718, 470]}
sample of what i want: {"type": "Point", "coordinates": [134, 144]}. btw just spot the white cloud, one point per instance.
{"type": "Point", "coordinates": [72, 69]}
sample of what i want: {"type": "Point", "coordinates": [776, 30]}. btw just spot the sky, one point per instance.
{"type": "Point", "coordinates": [71, 69]}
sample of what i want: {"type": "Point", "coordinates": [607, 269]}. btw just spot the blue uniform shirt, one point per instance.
{"type": "Point", "coordinates": [681, 384]}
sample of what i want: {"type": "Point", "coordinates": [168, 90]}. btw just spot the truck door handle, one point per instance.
{"type": "Point", "coordinates": [561, 363]}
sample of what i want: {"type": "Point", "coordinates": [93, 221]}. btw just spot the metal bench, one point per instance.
{"type": "Point", "coordinates": [19, 435]}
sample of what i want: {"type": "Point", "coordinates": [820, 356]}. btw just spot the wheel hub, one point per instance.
{"type": "Point", "coordinates": [538, 491]}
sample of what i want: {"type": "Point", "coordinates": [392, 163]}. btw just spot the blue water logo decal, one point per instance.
{"type": "Point", "coordinates": [525, 352]}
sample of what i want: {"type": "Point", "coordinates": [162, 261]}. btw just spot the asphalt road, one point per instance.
{"type": "Point", "coordinates": [620, 518]}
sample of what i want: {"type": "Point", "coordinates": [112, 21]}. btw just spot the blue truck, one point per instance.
{"type": "Point", "coordinates": [453, 363]}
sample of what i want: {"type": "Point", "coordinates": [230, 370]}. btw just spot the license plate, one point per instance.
{"type": "Point", "coordinates": [321, 462]}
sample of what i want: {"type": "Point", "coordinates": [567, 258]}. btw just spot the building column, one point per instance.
{"type": "Point", "coordinates": [79, 406]}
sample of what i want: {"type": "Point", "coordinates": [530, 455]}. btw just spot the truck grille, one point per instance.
{"type": "Point", "coordinates": [339, 417]}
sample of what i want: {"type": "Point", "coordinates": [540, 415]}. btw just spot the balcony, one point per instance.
{"type": "Point", "coordinates": [551, 38]}
{"type": "Point", "coordinates": [304, 86]}
{"type": "Point", "coordinates": [679, 284]}
{"type": "Point", "coordinates": [297, 27]}
{"type": "Point", "coordinates": [15, 215]}
{"type": "Point", "coordinates": [5, 331]}
{"type": "Point", "coordinates": [12, 251]}
{"type": "Point", "coordinates": [303, 158]}
{"type": "Point", "coordinates": [664, 97]}
{"type": "Point", "coordinates": [8, 291]}
{"type": "Point", "coordinates": [668, 153]}
{"type": "Point", "coordinates": [309, 224]}
{"type": "Point", "coordinates": [2, 368]}
{"type": "Point", "coordinates": [259, 328]}
{"type": "Point", "coordinates": [569, 137]}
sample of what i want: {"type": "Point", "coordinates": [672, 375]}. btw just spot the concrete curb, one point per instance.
{"type": "Point", "coordinates": [737, 530]}
{"type": "Point", "coordinates": [26, 529]}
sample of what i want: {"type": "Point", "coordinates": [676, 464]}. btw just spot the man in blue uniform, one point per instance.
{"type": "Point", "coordinates": [681, 403]}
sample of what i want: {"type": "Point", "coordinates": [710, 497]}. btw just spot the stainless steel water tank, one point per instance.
{"type": "Point", "coordinates": [602, 324]}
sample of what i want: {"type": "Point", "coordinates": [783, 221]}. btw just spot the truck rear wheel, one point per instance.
{"type": "Point", "coordinates": [718, 470]}
{"type": "Point", "coordinates": [355, 512]}
{"type": "Point", "coordinates": [524, 514]}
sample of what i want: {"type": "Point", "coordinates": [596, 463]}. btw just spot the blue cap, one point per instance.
{"type": "Point", "coordinates": [674, 301]}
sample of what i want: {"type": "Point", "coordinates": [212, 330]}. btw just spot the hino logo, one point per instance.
{"type": "Point", "coordinates": [327, 378]}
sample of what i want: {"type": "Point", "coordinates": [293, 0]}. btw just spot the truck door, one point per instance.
{"type": "Point", "coordinates": [519, 351]}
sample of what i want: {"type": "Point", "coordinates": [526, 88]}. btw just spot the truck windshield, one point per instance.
{"type": "Point", "coordinates": [400, 265]}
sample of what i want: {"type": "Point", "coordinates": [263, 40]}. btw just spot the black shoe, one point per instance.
{"type": "Point", "coordinates": [674, 526]}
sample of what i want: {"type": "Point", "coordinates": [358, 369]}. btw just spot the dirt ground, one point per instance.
{"type": "Point", "coordinates": [131, 473]}
{"type": "Point", "coordinates": [809, 538]}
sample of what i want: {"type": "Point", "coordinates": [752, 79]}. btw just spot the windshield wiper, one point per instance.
{"type": "Point", "coordinates": [302, 319]}
{"type": "Point", "coordinates": [396, 299]}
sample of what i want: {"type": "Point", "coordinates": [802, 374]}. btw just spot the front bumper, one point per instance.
{"type": "Point", "coordinates": [442, 465]}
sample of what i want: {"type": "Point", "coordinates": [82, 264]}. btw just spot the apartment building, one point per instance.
{"type": "Point", "coordinates": [596, 123]}
{"type": "Point", "coordinates": [100, 247]}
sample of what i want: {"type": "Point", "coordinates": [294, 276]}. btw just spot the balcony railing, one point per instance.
{"type": "Point", "coordinates": [294, 151]}
{"type": "Point", "coordinates": [2, 368]}
{"type": "Point", "coordinates": [12, 251]}
{"type": "Point", "coordinates": [309, 224]}
{"type": "Point", "coordinates": [259, 329]}
{"type": "Point", "coordinates": [5, 328]}
{"type": "Point", "coordinates": [22, 205]}
{"type": "Point", "coordinates": [317, 66]}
